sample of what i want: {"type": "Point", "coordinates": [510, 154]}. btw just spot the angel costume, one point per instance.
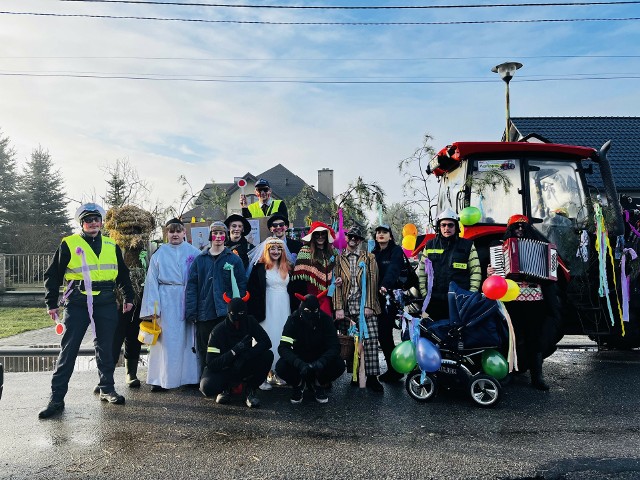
{"type": "Point", "coordinates": [172, 362]}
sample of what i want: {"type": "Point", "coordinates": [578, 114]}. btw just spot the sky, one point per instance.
{"type": "Point", "coordinates": [237, 90]}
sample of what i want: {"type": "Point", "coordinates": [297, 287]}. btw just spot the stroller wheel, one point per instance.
{"type": "Point", "coordinates": [421, 392]}
{"type": "Point", "coordinates": [485, 390]}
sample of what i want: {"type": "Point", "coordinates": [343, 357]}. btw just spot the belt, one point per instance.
{"type": "Point", "coordinates": [97, 286]}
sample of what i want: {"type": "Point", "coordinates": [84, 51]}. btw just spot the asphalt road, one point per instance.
{"type": "Point", "coordinates": [586, 427]}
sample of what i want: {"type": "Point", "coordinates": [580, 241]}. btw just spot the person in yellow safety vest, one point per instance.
{"type": "Point", "coordinates": [265, 206]}
{"type": "Point", "coordinates": [91, 267]}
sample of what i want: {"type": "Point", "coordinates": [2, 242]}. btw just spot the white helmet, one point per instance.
{"type": "Point", "coordinates": [447, 213]}
{"type": "Point", "coordinates": [87, 209]}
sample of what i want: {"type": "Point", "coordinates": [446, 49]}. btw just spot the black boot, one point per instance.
{"type": "Point", "coordinates": [536, 373]}
{"type": "Point", "coordinates": [132, 369]}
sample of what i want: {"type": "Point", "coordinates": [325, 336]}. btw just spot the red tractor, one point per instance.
{"type": "Point", "coordinates": [550, 184]}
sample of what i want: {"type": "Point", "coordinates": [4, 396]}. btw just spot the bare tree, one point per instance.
{"type": "Point", "coordinates": [124, 185]}
{"type": "Point", "coordinates": [417, 183]}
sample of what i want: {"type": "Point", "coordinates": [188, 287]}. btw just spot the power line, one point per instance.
{"type": "Point", "coordinates": [317, 59]}
{"type": "Point", "coordinates": [362, 7]}
{"type": "Point", "coordinates": [298, 81]}
{"type": "Point", "coordinates": [260, 22]}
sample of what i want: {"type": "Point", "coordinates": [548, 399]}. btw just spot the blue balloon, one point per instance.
{"type": "Point", "coordinates": [428, 355]}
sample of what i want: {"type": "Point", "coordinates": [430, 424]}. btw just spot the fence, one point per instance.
{"type": "Point", "coordinates": [23, 270]}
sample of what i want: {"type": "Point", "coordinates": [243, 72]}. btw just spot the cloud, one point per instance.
{"type": "Point", "coordinates": [217, 130]}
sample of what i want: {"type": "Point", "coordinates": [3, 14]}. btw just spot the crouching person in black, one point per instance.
{"type": "Point", "coordinates": [309, 351]}
{"type": "Point", "coordinates": [238, 353]}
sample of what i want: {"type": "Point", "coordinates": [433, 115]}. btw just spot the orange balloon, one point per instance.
{"type": "Point", "coordinates": [409, 229]}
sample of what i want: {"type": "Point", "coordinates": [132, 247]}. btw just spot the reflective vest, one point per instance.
{"type": "Point", "coordinates": [256, 210]}
{"type": "Point", "coordinates": [449, 263]}
{"type": "Point", "coordinates": [101, 269]}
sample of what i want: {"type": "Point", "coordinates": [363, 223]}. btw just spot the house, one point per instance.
{"type": "Point", "coordinates": [217, 201]}
{"type": "Point", "coordinates": [624, 133]}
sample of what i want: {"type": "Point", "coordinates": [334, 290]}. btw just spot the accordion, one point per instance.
{"type": "Point", "coordinates": [518, 258]}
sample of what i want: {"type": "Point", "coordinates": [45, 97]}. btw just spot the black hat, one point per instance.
{"type": "Point", "coordinates": [275, 217]}
{"type": "Point", "coordinates": [234, 217]}
{"type": "Point", "coordinates": [261, 183]}
{"type": "Point", "coordinates": [355, 231]}
{"type": "Point", "coordinates": [174, 221]}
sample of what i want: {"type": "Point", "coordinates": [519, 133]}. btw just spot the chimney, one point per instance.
{"type": "Point", "coordinates": [325, 182]}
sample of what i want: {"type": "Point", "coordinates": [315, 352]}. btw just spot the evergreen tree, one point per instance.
{"type": "Point", "coordinates": [8, 193]}
{"type": "Point", "coordinates": [43, 217]}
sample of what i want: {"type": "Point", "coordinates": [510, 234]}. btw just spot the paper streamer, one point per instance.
{"type": "Point", "coordinates": [624, 281]}
{"type": "Point", "coordinates": [86, 277]}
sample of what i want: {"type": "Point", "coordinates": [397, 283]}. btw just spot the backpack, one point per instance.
{"type": "Point", "coordinates": [408, 278]}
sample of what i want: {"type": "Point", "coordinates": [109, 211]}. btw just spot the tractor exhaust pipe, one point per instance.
{"type": "Point", "coordinates": [610, 187]}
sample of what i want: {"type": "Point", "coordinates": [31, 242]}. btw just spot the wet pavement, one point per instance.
{"type": "Point", "coordinates": [587, 426]}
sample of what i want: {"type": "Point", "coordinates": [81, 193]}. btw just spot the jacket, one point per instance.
{"type": "Point", "coordinates": [208, 281]}
{"type": "Point", "coordinates": [453, 259]}
{"type": "Point", "coordinates": [306, 342]}
{"type": "Point", "coordinates": [342, 270]}
{"type": "Point", "coordinates": [255, 210]}
{"type": "Point", "coordinates": [224, 337]}
{"type": "Point", "coordinates": [390, 262]}
{"type": "Point", "coordinates": [54, 276]}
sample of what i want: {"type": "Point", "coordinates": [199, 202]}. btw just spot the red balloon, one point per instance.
{"type": "Point", "coordinates": [494, 287]}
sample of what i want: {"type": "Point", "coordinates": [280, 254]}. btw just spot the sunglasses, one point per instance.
{"type": "Point", "coordinates": [519, 226]}
{"type": "Point", "coordinates": [91, 219]}
{"type": "Point", "coordinates": [278, 225]}
{"type": "Point", "coordinates": [353, 237]}
{"type": "Point", "coordinates": [175, 230]}
{"type": "Point", "coordinates": [261, 190]}
{"type": "Point", "coordinates": [448, 225]}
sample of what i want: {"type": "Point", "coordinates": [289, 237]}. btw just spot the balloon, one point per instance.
{"type": "Point", "coordinates": [494, 364]}
{"type": "Point", "coordinates": [513, 290]}
{"type": "Point", "coordinates": [409, 242]}
{"type": "Point", "coordinates": [494, 287]}
{"type": "Point", "coordinates": [470, 216]}
{"type": "Point", "coordinates": [407, 252]}
{"type": "Point", "coordinates": [409, 229]}
{"type": "Point", "coordinates": [428, 355]}
{"type": "Point", "coordinates": [461, 234]}
{"type": "Point", "coordinates": [403, 357]}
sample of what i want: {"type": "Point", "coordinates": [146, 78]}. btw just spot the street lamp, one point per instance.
{"type": "Point", "coordinates": [507, 70]}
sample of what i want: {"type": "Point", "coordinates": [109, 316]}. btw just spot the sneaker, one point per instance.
{"type": "Point", "coordinates": [112, 397]}
{"type": "Point", "coordinates": [265, 385]}
{"type": "Point", "coordinates": [96, 389]}
{"type": "Point", "coordinates": [51, 409]}
{"type": "Point", "coordinates": [132, 382]}
{"type": "Point", "coordinates": [158, 388]}
{"type": "Point", "coordinates": [373, 384]}
{"type": "Point", "coordinates": [252, 401]}
{"type": "Point", "coordinates": [298, 393]}
{"type": "Point", "coordinates": [321, 396]}
{"type": "Point", "coordinates": [276, 380]}
{"type": "Point", "coordinates": [223, 397]}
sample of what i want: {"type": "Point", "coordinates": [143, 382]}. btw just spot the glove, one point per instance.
{"type": "Point", "coordinates": [242, 346]}
{"type": "Point", "coordinates": [305, 369]}
{"type": "Point", "coordinates": [316, 366]}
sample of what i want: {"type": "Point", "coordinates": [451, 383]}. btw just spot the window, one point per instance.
{"type": "Point", "coordinates": [490, 180]}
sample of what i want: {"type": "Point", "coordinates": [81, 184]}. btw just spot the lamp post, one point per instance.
{"type": "Point", "coordinates": [507, 70]}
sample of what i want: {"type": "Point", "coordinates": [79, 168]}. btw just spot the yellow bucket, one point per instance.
{"type": "Point", "coordinates": [149, 332]}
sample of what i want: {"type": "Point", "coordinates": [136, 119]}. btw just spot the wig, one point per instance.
{"type": "Point", "coordinates": [282, 264]}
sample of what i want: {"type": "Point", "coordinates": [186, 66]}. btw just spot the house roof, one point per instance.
{"type": "Point", "coordinates": [284, 184]}
{"type": "Point", "coordinates": [624, 133]}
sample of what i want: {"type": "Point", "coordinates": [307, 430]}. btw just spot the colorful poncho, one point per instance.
{"type": "Point", "coordinates": [313, 271]}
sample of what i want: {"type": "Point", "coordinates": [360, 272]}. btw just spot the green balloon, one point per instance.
{"type": "Point", "coordinates": [403, 357]}
{"type": "Point", "coordinates": [470, 216]}
{"type": "Point", "coordinates": [494, 364]}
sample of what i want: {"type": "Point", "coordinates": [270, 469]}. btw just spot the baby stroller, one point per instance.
{"type": "Point", "coordinates": [476, 325]}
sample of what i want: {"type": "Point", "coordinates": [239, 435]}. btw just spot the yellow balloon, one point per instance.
{"type": "Point", "coordinates": [409, 229]}
{"type": "Point", "coordinates": [461, 235]}
{"type": "Point", "coordinates": [513, 291]}
{"type": "Point", "coordinates": [409, 242]}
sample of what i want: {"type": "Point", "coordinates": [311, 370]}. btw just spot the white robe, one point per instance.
{"type": "Point", "coordinates": [172, 362]}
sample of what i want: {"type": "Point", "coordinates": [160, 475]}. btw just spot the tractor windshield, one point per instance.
{"type": "Point", "coordinates": [496, 188]}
